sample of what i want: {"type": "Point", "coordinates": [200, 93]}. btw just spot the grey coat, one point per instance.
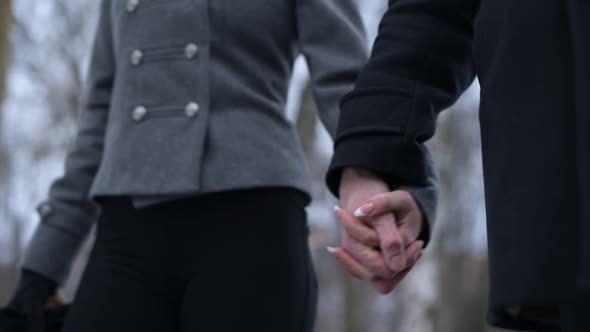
{"type": "Point", "coordinates": [188, 97]}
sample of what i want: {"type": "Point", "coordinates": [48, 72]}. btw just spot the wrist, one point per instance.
{"type": "Point", "coordinates": [351, 173]}
{"type": "Point", "coordinates": [358, 185]}
{"type": "Point", "coordinates": [351, 176]}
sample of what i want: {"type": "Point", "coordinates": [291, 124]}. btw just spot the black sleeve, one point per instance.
{"type": "Point", "coordinates": [420, 64]}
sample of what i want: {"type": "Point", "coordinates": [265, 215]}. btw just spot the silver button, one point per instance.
{"type": "Point", "coordinates": [132, 5]}
{"type": "Point", "coordinates": [45, 210]}
{"type": "Point", "coordinates": [191, 50]}
{"type": "Point", "coordinates": [139, 113]}
{"type": "Point", "coordinates": [191, 109]}
{"type": "Point", "coordinates": [136, 57]}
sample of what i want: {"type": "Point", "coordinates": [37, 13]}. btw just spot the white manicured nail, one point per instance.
{"type": "Point", "coordinates": [359, 213]}
{"type": "Point", "coordinates": [336, 208]}
{"type": "Point", "coordinates": [365, 210]}
{"type": "Point", "coordinates": [331, 249]}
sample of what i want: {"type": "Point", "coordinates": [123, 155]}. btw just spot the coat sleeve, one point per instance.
{"type": "Point", "coordinates": [332, 38]}
{"type": "Point", "coordinates": [68, 214]}
{"type": "Point", "coordinates": [420, 64]}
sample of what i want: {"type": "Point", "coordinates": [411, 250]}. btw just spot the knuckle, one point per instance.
{"type": "Point", "coordinates": [345, 242]}
{"type": "Point", "coordinates": [348, 246]}
{"type": "Point", "coordinates": [381, 271]}
{"type": "Point", "coordinates": [369, 239]}
{"type": "Point", "coordinates": [392, 244]}
{"type": "Point", "coordinates": [389, 274]}
{"type": "Point", "coordinates": [381, 199]}
{"type": "Point", "coordinates": [376, 264]}
{"type": "Point", "coordinates": [372, 257]}
{"type": "Point", "coordinates": [351, 271]}
{"type": "Point", "coordinates": [404, 197]}
{"type": "Point", "coordinates": [355, 253]}
{"type": "Point", "coordinates": [373, 263]}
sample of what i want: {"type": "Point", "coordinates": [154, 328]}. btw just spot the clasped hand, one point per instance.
{"type": "Point", "coordinates": [380, 229]}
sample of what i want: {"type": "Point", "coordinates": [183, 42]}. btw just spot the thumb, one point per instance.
{"type": "Point", "coordinates": [390, 241]}
{"type": "Point", "coordinates": [395, 201]}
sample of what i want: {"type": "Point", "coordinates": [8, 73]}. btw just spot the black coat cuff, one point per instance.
{"type": "Point", "coordinates": [402, 164]}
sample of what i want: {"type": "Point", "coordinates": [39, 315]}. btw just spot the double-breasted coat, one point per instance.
{"type": "Point", "coordinates": [186, 97]}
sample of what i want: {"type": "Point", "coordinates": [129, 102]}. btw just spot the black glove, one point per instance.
{"type": "Point", "coordinates": [27, 303]}
{"type": "Point", "coordinates": [12, 321]}
{"type": "Point", "coordinates": [32, 293]}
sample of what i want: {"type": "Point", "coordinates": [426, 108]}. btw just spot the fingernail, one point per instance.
{"type": "Point", "coordinates": [336, 208]}
{"type": "Point", "coordinates": [331, 249]}
{"type": "Point", "coordinates": [364, 210]}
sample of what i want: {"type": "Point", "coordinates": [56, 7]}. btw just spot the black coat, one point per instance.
{"type": "Point", "coordinates": [533, 62]}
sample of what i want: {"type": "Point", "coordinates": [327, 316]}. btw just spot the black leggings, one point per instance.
{"type": "Point", "coordinates": [575, 316]}
{"type": "Point", "coordinates": [235, 261]}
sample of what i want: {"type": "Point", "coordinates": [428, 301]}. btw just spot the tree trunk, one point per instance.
{"type": "Point", "coordinates": [7, 273]}
{"type": "Point", "coordinates": [5, 22]}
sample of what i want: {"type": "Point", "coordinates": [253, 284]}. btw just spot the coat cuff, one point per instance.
{"type": "Point", "coordinates": [427, 199]}
{"type": "Point", "coordinates": [53, 246]}
{"type": "Point", "coordinates": [403, 164]}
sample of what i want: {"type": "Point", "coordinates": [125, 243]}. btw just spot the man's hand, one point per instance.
{"type": "Point", "coordinates": [407, 214]}
{"type": "Point", "coordinates": [373, 248]}
{"type": "Point", "coordinates": [385, 280]}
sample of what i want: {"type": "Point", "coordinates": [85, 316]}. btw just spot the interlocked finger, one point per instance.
{"type": "Point", "coordinates": [358, 230]}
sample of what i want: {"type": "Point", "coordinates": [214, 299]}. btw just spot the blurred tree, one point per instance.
{"type": "Point", "coordinates": [5, 22]}
{"type": "Point", "coordinates": [46, 75]}
{"type": "Point", "coordinates": [55, 60]}
{"type": "Point", "coordinates": [306, 122]}
{"type": "Point", "coordinates": [7, 273]}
